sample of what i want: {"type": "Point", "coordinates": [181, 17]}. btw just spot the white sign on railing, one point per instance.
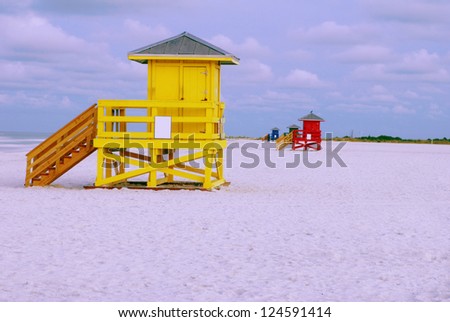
{"type": "Point", "coordinates": [163, 127]}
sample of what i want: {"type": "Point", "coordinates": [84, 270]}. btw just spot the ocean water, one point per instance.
{"type": "Point", "coordinates": [20, 141]}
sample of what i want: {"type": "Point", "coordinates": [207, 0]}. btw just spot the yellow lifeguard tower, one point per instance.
{"type": "Point", "coordinates": [158, 139]}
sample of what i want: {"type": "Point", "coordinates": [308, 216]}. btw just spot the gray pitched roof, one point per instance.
{"type": "Point", "coordinates": [275, 128]}
{"type": "Point", "coordinates": [184, 44]}
{"type": "Point", "coordinates": [311, 117]}
{"type": "Point", "coordinates": [293, 126]}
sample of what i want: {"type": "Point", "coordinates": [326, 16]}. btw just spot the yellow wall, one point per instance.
{"type": "Point", "coordinates": [187, 81]}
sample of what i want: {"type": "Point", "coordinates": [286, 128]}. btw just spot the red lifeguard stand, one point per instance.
{"type": "Point", "coordinates": [311, 135]}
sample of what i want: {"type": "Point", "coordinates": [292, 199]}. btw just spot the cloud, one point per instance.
{"type": "Point", "coordinates": [37, 38]}
{"type": "Point", "coordinates": [420, 32]}
{"type": "Point", "coordinates": [376, 95]}
{"type": "Point", "coordinates": [271, 100]}
{"type": "Point", "coordinates": [376, 72]}
{"type": "Point", "coordinates": [74, 7]}
{"type": "Point", "coordinates": [418, 62]}
{"type": "Point", "coordinates": [416, 66]}
{"type": "Point", "coordinates": [302, 79]}
{"type": "Point", "coordinates": [378, 89]}
{"type": "Point", "coordinates": [410, 11]}
{"type": "Point", "coordinates": [331, 33]}
{"type": "Point", "coordinates": [252, 71]}
{"type": "Point", "coordinates": [14, 6]}
{"type": "Point", "coordinates": [379, 93]}
{"type": "Point", "coordinates": [25, 75]}
{"type": "Point", "coordinates": [250, 48]}
{"type": "Point", "coordinates": [287, 98]}
{"type": "Point", "coordinates": [433, 89]}
{"type": "Point", "coordinates": [358, 107]}
{"type": "Point", "coordinates": [401, 109]}
{"type": "Point", "coordinates": [365, 54]}
{"type": "Point", "coordinates": [54, 67]}
{"type": "Point", "coordinates": [421, 65]}
{"type": "Point", "coordinates": [129, 34]}
{"type": "Point", "coordinates": [39, 100]}
{"type": "Point", "coordinates": [135, 27]}
{"type": "Point", "coordinates": [375, 99]}
{"type": "Point", "coordinates": [435, 111]}
{"type": "Point", "coordinates": [4, 99]}
{"type": "Point", "coordinates": [138, 34]}
{"type": "Point", "coordinates": [335, 95]}
{"type": "Point", "coordinates": [299, 54]}
{"type": "Point", "coordinates": [106, 7]}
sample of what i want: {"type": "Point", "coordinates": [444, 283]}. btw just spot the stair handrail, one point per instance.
{"type": "Point", "coordinates": [81, 127]}
{"type": "Point", "coordinates": [63, 130]}
{"type": "Point", "coordinates": [284, 140]}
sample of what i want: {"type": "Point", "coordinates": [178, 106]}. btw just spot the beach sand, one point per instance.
{"type": "Point", "coordinates": [376, 230]}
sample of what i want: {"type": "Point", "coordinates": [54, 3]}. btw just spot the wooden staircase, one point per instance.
{"type": "Point", "coordinates": [284, 141]}
{"type": "Point", "coordinates": [62, 150]}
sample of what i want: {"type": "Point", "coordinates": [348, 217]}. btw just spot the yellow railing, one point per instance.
{"type": "Point", "coordinates": [135, 119]}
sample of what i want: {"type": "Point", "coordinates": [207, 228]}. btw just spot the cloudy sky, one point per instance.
{"type": "Point", "coordinates": [368, 66]}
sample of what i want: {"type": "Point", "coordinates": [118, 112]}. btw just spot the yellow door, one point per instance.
{"type": "Point", "coordinates": [166, 80]}
{"type": "Point", "coordinates": [195, 89]}
{"type": "Point", "coordinates": [195, 83]}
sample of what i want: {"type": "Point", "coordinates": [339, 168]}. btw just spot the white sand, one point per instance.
{"type": "Point", "coordinates": [377, 230]}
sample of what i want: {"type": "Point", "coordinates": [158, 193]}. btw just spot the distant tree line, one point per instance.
{"type": "Point", "coordinates": [393, 139]}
